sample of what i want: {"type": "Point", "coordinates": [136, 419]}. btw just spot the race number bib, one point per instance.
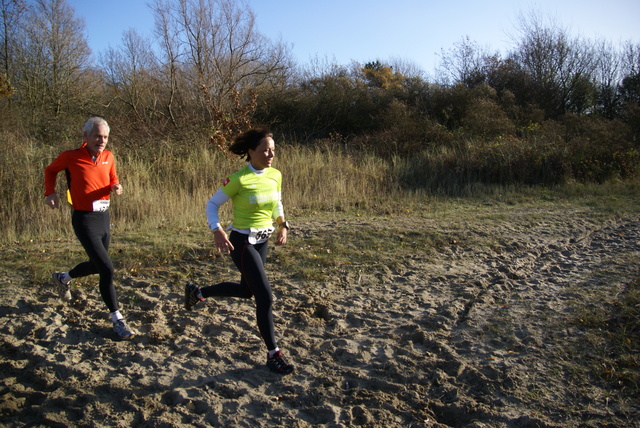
{"type": "Point", "coordinates": [258, 236]}
{"type": "Point", "coordinates": [101, 205]}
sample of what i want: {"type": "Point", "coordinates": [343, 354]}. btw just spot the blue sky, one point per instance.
{"type": "Point", "coordinates": [366, 30]}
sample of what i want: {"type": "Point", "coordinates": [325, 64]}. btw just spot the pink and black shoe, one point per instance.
{"type": "Point", "coordinates": [278, 364]}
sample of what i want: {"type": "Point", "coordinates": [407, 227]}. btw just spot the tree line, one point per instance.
{"type": "Point", "coordinates": [206, 73]}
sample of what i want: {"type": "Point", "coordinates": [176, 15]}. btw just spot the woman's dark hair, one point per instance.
{"type": "Point", "coordinates": [249, 140]}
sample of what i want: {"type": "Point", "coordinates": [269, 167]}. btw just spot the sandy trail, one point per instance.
{"type": "Point", "coordinates": [462, 335]}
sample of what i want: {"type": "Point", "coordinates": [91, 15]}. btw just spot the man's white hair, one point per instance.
{"type": "Point", "coordinates": [93, 122]}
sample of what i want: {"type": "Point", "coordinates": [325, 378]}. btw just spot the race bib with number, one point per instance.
{"type": "Point", "coordinates": [258, 236]}
{"type": "Point", "coordinates": [100, 205]}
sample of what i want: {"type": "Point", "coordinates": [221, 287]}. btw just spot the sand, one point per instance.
{"type": "Point", "coordinates": [463, 335]}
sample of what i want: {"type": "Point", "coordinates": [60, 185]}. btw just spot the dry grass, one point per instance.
{"type": "Point", "coordinates": [160, 221]}
{"type": "Point", "coordinates": [170, 186]}
{"type": "Point", "coordinates": [343, 245]}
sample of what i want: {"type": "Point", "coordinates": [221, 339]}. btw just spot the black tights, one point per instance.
{"type": "Point", "coordinates": [93, 232]}
{"type": "Point", "coordinates": [250, 260]}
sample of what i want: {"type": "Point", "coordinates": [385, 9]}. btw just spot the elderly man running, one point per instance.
{"type": "Point", "coordinates": [91, 175]}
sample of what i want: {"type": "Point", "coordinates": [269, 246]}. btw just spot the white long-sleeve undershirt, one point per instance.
{"type": "Point", "coordinates": [213, 207]}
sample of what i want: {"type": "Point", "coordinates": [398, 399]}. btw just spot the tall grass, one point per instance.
{"type": "Point", "coordinates": [328, 178]}
{"type": "Point", "coordinates": [22, 214]}
{"type": "Point", "coordinates": [169, 186]}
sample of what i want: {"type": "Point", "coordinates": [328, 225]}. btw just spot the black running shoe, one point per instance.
{"type": "Point", "coordinates": [191, 296]}
{"type": "Point", "coordinates": [278, 364]}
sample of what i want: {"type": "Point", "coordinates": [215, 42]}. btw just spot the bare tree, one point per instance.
{"type": "Point", "coordinates": [630, 85]}
{"type": "Point", "coordinates": [51, 56]}
{"type": "Point", "coordinates": [218, 50]}
{"type": "Point", "coordinates": [166, 32]}
{"type": "Point", "coordinates": [561, 67]}
{"type": "Point", "coordinates": [11, 13]}
{"type": "Point", "coordinates": [630, 59]}
{"type": "Point", "coordinates": [132, 74]}
{"type": "Point", "coordinates": [464, 63]}
{"type": "Point", "coordinates": [608, 75]}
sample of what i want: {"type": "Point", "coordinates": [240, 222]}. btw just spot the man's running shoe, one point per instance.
{"type": "Point", "coordinates": [191, 296]}
{"type": "Point", "coordinates": [278, 364]}
{"type": "Point", "coordinates": [63, 287]}
{"type": "Point", "coordinates": [122, 330]}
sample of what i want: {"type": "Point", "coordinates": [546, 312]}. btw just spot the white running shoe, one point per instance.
{"type": "Point", "coordinates": [122, 330]}
{"type": "Point", "coordinates": [63, 287]}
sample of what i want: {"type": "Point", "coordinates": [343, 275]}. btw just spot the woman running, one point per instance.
{"type": "Point", "coordinates": [255, 191]}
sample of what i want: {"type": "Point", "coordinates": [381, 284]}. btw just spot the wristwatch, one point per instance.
{"type": "Point", "coordinates": [284, 224]}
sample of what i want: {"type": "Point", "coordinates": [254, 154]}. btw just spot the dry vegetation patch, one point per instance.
{"type": "Point", "coordinates": [456, 314]}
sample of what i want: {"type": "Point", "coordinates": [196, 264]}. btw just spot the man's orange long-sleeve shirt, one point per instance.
{"type": "Point", "coordinates": [89, 180]}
